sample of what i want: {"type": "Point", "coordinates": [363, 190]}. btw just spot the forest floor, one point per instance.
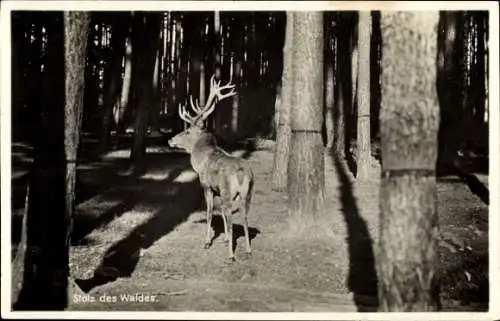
{"type": "Point", "coordinates": [138, 241]}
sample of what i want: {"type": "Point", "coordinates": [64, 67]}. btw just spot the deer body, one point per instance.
{"type": "Point", "coordinates": [228, 177]}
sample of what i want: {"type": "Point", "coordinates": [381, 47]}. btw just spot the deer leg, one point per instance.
{"type": "Point", "coordinates": [245, 210]}
{"type": "Point", "coordinates": [209, 199]}
{"type": "Point", "coordinates": [248, 249]}
{"type": "Point", "coordinates": [226, 238]}
{"type": "Point", "coordinates": [226, 212]}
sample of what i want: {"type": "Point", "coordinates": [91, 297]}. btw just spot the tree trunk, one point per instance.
{"type": "Point", "coordinates": [50, 210]}
{"type": "Point", "coordinates": [113, 74]}
{"type": "Point", "coordinates": [363, 146]}
{"type": "Point", "coordinates": [375, 85]}
{"type": "Point", "coordinates": [329, 84]}
{"type": "Point", "coordinates": [448, 85]}
{"type": "Point", "coordinates": [306, 181]}
{"type": "Point", "coordinates": [19, 259]}
{"type": "Point", "coordinates": [466, 77]}
{"type": "Point", "coordinates": [145, 37]}
{"type": "Point", "coordinates": [409, 119]}
{"type": "Point", "coordinates": [339, 138]}
{"type": "Point", "coordinates": [235, 106]}
{"type": "Point", "coordinates": [119, 111]}
{"type": "Point", "coordinates": [342, 88]}
{"type": "Point", "coordinates": [486, 68]}
{"type": "Point", "coordinates": [283, 109]}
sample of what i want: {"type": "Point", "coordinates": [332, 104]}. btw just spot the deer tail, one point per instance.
{"type": "Point", "coordinates": [240, 174]}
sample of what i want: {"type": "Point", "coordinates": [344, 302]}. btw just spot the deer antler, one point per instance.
{"type": "Point", "coordinates": [196, 105]}
{"type": "Point", "coordinates": [214, 97]}
{"type": "Point", "coordinates": [184, 115]}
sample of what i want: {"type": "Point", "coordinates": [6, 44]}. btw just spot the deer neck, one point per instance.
{"type": "Point", "coordinates": [202, 149]}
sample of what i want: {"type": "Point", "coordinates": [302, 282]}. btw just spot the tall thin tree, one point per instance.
{"type": "Point", "coordinates": [409, 121]}
{"type": "Point", "coordinates": [306, 181]}
{"type": "Point", "coordinates": [329, 78]}
{"type": "Point", "coordinates": [448, 85]}
{"type": "Point", "coordinates": [113, 76]}
{"type": "Point", "coordinates": [145, 37]}
{"type": "Point", "coordinates": [363, 146]}
{"type": "Point", "coordinates": [283, 110]}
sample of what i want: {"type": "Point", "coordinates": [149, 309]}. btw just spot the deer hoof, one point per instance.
{"type": "Point", "coordinates": [230, 260]}
{"type": "Point", "coordinates": [206, 246]}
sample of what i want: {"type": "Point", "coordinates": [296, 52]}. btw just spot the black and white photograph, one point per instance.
{"type": "Point", "coordinates": [219, 160]}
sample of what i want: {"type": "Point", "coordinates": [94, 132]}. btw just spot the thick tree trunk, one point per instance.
{"type": "Point", "coordinates": [113, 74]}
{"type": "Point", "coordinates": [50, 210]}
{"type": "Point", "coordinates": [409, 119]}
{"type": "Point", "coordinates": [145, 37]}
{"type": "Point", "coordinates": [363, 146]}
{"type": "Point", "coordinates": [306, 180]}
{"type": "Point", "coordinates": [283, 110]}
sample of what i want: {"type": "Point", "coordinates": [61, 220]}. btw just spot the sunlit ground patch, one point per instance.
{"type": "Point", "coordinates": [118, 154]}
{"type": "Point", "coordinates": [186, 176]}
{"type": "Point", "coordinates": [157, 175]}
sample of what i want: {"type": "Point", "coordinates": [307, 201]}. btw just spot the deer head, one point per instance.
{"type": "Point", "coordinates": [196, 130]}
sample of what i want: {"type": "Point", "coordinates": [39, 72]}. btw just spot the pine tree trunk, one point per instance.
{"type": "Point", "coordinates": [283, 110]}
{"type": "Point", "coordinates": [339, 138]}
{"type": "Point", "coordinates": [145, 37]}
{"type": "Point", "coordinates": [466, 77]}
{"type": "Point", "coordinates": [19, 259]}
{"type": "Point", "coordinates": [119, 112]}
{"type": "Point", "coordinates": [50, 210]}
{"type": "Point", "coordinates": [113, 74]}
{"type": "Point", "coordinates": [448, 85]}
{"type": "Point", "coordinates": [306, 181]}
{"type": "Point", "coordinates": [363, 146]}
{"type": "Point", "coordinates": [329, 85]}
{"type": "Point", "coordinates": [341, 88]}
{"type": "Point", "coordinates": [409, 121]}
{"type": "Point", "coordinates": [486, 68]}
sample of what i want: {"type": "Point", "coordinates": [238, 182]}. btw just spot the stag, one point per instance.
{"type": "Point", "coordinates": [221, 175]}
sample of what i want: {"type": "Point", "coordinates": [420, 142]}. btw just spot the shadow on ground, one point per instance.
{"type": "Point", "coordinates": [173, 201]}
{"type": "Point", "coordinates": [218, 230]}
{"type": "Point", "coordinates": [362, 279]}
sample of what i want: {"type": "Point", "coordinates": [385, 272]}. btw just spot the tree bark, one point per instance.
{"type": "Point", "coordinates": [363, 146]}
{"type": "Point", "coordinates": [306, 180]}
{"type": "Point", "coordinates": [486, 67]}
{"type": "Point", "coordinates": [283, 110]}
{"type": "Point", "coordinates": [409, 119]}
{"type": "Point", "coordinates": [113, 74]}
{"type": "Point", "coordinates": [50, 210]}
{"type": "Point", "coordinates": [145, 37]}
{"type": "Point", "coordinates": [119, 111]}
{"type": "Point", "coordinates": [19, 258]}
{"type": "Point", "coordinates": [448, 85]}
{"type": "Point", "coordinates": [330, 62]}
{"type": "Point", "coordinates": [342, 86]}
